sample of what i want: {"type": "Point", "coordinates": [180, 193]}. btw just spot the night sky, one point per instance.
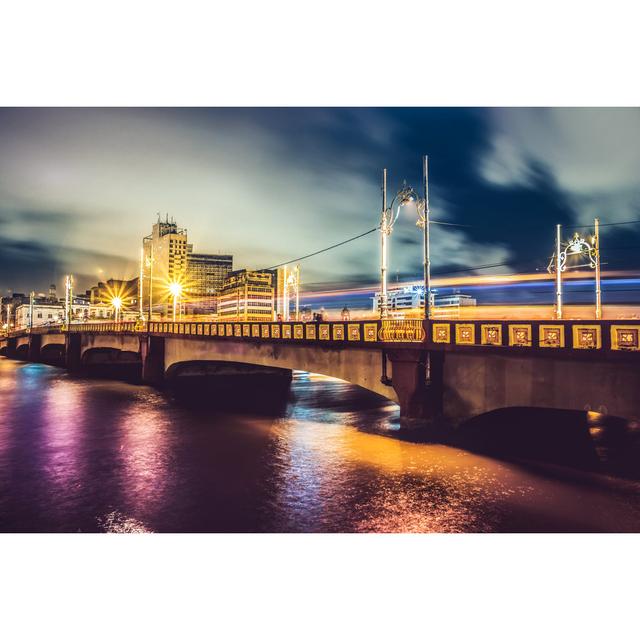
{"type": "Point", "coordinates": [79, 188]}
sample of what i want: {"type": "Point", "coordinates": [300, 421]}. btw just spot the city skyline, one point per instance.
{"type": "Point", "coordinates": [79, 187]}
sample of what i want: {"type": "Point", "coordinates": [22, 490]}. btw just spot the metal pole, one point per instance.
{"type": "Point", "coordinates": [297, 292]}
{"type": "Point", "coordinates": [285, 295]}
{"type": "Point", "coordinates": [383, 259]}
{"type": "Point", "coordinates": [31, 296]}
{"type": "Point", "coordinates": [598, 290]}
{"type": "Point", "coordinates": [426, 242]}
{"type": "Point", "coordinates": [150, 281]}
{"type": "Point", "coordinates": [558, 275]}
{"type": "Point", "coordinates": [140, 291]}
{"type": "Point", "coordinates": [174, 306]}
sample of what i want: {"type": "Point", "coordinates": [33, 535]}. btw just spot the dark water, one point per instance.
{"type": "Point", "coordinates": [93, 456]}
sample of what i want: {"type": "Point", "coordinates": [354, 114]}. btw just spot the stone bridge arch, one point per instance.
{"type": "Point", "coordinates": [361, 367]}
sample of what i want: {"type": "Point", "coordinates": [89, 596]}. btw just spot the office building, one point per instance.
{"type": "Point", "coordinates": [206, 274]}
{"type": "Point", "coordinates": [248, 296]}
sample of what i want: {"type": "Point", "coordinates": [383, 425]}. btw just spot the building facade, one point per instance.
{"type": "Point", "coordinates": [206, 275]}
{"type": "Point", "coordinates": [164, 261]}
{"type": "Point", "coordinates": [248, 296]}
{"type": "Point", "coordinates": [410, 299]}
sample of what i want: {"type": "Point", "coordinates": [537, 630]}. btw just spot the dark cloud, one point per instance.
{"type": "Point", "coordinates": [271, 184]}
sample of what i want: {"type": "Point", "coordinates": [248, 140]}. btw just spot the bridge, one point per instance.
{"type": "Point", "coordinates": [437, 371]}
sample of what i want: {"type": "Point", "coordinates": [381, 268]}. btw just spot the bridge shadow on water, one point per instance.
{"type": "Point", "coordinates": [562, 438]}
{"type": "Point", "coordinates": [571, 439]}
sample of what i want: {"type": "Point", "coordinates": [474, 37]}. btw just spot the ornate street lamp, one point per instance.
{"type": "Point", "coordinates": [577, 246]}
{"type": "Point", "coordinates": [406, 196]}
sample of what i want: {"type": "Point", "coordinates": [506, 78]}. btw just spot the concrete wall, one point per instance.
{"type": "Point", "coordinates": [109, 341]}
{"type": "Point", "coordinates": [478, 383]}
{"type": "Point", "coordinates": [52, 338]}
{"type": "Point", "coordinates": [22, 340]}
{"type": "Point", "coordinates": [358, 366]}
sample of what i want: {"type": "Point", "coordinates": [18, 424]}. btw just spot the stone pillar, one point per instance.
{"type": "Point", "coordinates": [73, 343]}
{"type": "Point", "coordinates": [152, 354]}
{"type": "Point", "coordinates": [420, 402]}
{"type": "Point", "coordinates": [11, 347]}
{"type": "Point", "coordinates": [35, 340]}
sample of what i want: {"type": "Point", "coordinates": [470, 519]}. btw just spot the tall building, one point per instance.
{"type": "Point", "coordinates": [248, 296]}
{"type": "Point", "coordinates": [205, 277]}
{"type": "Point", "coordinates": [164, 261]}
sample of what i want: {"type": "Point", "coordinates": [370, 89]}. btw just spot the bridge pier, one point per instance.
{"type": "Point", "coordinates": [152, 354]}
{"type": "Point", "coordinates": [12, 347]}
{"type": "Point", "coordinates": [417, 380]}
{"type": "Point", "coordinates": [35, 341]}
{"type": "Point", "coordinates": [73, 353]}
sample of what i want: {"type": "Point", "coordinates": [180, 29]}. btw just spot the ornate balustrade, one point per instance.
{"type": "Point", "coordinates": [551, 336]}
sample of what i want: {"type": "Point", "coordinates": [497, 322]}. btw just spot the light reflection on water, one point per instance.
{"type": "Point", "coordinates": [89, 455]}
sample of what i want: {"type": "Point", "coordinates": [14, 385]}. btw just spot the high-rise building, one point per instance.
{"type": "Point", "coordinates": [164, 262]}
{"type": "Point", "coordinates": [248, 296]}
{"type": "Point", "coordinates": [205, 277]}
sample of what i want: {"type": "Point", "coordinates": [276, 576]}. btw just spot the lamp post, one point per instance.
{"type": "Point", "coordinates": [175, 288]}
{"type": "Point", "coordinates": [140, 283]}
{"type": "Point", "coordinates": [406, 195]}
{"type": "Point", "coordinates": [68, 299]}
{"type": "Point", "coordinates": [31, 297]}
{"type": "Point", "coordinates": [577, 246]}
{"type": "Point", "coordinates": [387, 221]}
{"type": "Point", "coordinates": [596, 247]}
{"type": "Point", "coordinates": [149, 262]}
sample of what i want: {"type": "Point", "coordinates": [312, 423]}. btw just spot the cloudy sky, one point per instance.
{"type": "Point", "coordinates": [79, 188]}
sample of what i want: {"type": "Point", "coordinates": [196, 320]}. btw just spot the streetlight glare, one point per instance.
{"type": "Point", "coordinates": [175, 288]}
{"type": "Point", "coordinates": [116, 302]}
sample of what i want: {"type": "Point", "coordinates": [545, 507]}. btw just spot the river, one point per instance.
{"type": "Point", "coordinates": [87, 455]}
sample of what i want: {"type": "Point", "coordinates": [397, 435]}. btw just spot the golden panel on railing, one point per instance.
{"type": "Point", "coordinates": [298, 332]}
{"type": "Point", "coordinates": [207, 329]}
{"type": "Point", "coordinates": [180, 327]}
{"type": "Point", "coordinates": [255, 330]}
{"type": "Point", "coordinates": [214, 329]}
{"type": "Point", "coordinates": [587, 336]}
{"type": "Point", "coordinates": [441, 333]}
{"type": "Point", "coordinates": [310, 330]}
{"type": "Point", "coordinates": [228, 330]}
{"type": "Point", "coordinates": [237, 330]}
{"type": "Point", "coordinates": [338, 332]}
{"type": "Point", "coordinates": [370, 332]}
{"type": "Point", "coordinates": [265, 330]}
{"type": "Point", "coordinates": [324, 332]}
{"type": "Point", "coordinates": [625, 337]}
{"type": "Point", "coordinates": [520, 335]}
{"type": "Point", "coordinates": [275, 330]}
{"type": "Point", "coordinates": [353, 332]}
{"type": "Point", "coordinates": [286, 331]}
{"type": "Point", "coordinates": [246, 330]}
{"type": "Point", "coordinates": [187, 329]}
{"type": "Point", "coordinates": [402, 331]}
{"type": "Point", "coordinates": [491, 334]}
{"type": "Point", "coordinates": [551, 335]}
{"type": "Point", "coordinates": [465, 334]}
{"type": "Point", "coordinates": [200, 330]}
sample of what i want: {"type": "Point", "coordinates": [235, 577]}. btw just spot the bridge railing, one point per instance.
{"type": "Point", "coordinates": [542, 336]}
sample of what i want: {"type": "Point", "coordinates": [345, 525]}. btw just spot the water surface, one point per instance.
{"type": "Point", "coordinates": [94, 456]}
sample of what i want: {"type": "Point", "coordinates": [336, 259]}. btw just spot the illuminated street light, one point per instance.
{"type": "Point", "coordinates": [406, 196]}
{"type": "Point", "coordinates": [116, 303]}
{"type": "Point", "coordinates": [175, 289]}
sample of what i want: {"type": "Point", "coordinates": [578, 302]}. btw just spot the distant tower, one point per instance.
{"type": "Point", "coordinates": [53, 294]}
